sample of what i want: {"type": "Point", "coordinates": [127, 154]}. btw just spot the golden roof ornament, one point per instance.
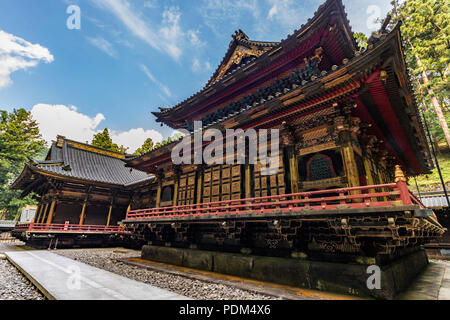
{"type": "Point", "coordinates": [399, 175]}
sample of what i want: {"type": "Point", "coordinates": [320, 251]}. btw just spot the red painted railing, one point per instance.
{"type": "Point", "coordinates": [68, 228]}
{"type": "Point", "coordinates": [357, 197]}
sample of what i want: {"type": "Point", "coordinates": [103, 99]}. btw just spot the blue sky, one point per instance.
{"type": "Point", "coordinates": [131, 57]}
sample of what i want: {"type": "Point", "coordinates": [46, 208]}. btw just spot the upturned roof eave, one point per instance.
{"type": "Point", "coordinates": [164, 117]}
{"type": "Point", "coordinates": [357, 59]}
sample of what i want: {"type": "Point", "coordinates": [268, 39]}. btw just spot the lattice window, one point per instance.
{"type": "Point", "coordinates": [167, 194]}
{"type": "Point", "coordinates": [320, 167]}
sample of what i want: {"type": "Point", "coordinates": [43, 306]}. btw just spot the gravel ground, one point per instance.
{"type": "Point", "coordinates": [107, 259]}
{"type": "Point", "coordinates": [14, 286]}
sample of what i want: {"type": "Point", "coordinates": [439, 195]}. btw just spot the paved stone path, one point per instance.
{"type": "Point", "coordinates": [6, 247]}
{"type": "Point", "coordinates": [432, 284]}
{"type": "Point", "coordinates": [61, 278]}
{"type": "Point", "coordinates": [444, 292]}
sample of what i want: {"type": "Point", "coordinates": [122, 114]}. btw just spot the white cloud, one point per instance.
{"type": "Point", "coordinates": [135, 138]}
{"type": "Point", "coordinates": [16, 54]}
{"type": "Point", "coordinates": [151, 4]}
{"type": "Point", "coordinates": [288, 12]}
{"type": "Point", "coordinates": [167, 36]}
{"type": "Point", "coordinates": [219, 14]}
{"type": "Point", "coordinates": [149, 75]}
{"type": "Point", "coordinates": [273, 11]}
{"type": "Point", "coordinates": [64, 120]}
{"type": "Point", "coordinates": [197, 66]}
{"type": "Point", "coordinates": [172, 32]}
{"type": "Point", "coordinates": [103, 45]}
{"type": "Point", "coordinates": [194, 39]}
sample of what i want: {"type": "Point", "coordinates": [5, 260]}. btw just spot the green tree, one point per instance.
{"type": "Point", "coordinates": [19, 140]}
{"type": "Point", "coordinates": [361, 39]}
{"type": "Point", "coordinates": [175, 137]}
{"type": "Point", "coordinates": [103, 140]}
{"type": "Point", "coordinates": [146, 147]}
{"type": "Point", "coordinates": [426, 34]}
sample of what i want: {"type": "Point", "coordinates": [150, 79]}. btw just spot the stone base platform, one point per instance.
{"type": "Point", "coordinates": [351, 278]}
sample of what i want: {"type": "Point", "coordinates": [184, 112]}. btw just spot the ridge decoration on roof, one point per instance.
{"type": "Point", "coordinates": [240, 50]}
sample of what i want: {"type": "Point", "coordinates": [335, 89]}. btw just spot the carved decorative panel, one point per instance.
{"type": "Point", "coordinates": [186, 189]}
{"type": "Point", "coordinates": [265, 185]}
{"type": "Point", "coordinates": [224, 185]}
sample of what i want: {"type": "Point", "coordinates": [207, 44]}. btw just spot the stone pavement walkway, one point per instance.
{"type": "Point", "coordinates": [6, 247]}
{"type": "Point", "coordinates": [444, 292]}
{"type": "Point", "coordinates": [432, 284]}
{"type": "Point", "coordinates": [60, 278]}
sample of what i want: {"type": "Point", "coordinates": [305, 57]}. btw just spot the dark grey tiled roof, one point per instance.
{"type": "Point", "coordinates": [433, 199]}
{"type": "Point", "coordinates": [78, 163]}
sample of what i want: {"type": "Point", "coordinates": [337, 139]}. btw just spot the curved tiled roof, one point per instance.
{"type": "Point", "coordinates": [243, 39]}
{"type": "Point", "coordinates": [80, 163]}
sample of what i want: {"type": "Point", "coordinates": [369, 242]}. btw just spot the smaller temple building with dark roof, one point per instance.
{"type": "Point", "coordinates": [79, 186]}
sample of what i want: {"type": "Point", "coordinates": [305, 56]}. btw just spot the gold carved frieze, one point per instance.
{"type": "Point", "coordinates": [317, 148]}
{"type": "Point", "coordinates": [239, 53]}
{"type": "Point", "coordinates": [226, 173]}
{"type": "Point", "coordinates": [216, 175]}
{"type": "Point", "coordinates": [96, 150]}
{"type": "Point", "coordinates": [236, 171]}
{"type": "Point", "coordinates": [168, 183]}
{"type": "Point", "coordinates": [324, 184]}
{"type": "Point", "coordinates": [215, 190]}
{"type": "Point", "coordinates": [191, 180]}
{"type": "Point", "coordinates": [226, 188]}
{"type": "Point", "coordinates": [236, 187]}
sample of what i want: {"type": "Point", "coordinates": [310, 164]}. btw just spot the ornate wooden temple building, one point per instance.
{"type": "Point", "coordinates": [347, 118]}
{"type": "Point", "coordinates": [82, 190]}
{"type": "Point", "coordinates": [349, 133]}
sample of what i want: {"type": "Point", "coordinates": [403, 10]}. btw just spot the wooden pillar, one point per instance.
{"type": "Point", "coordinates": [43, 213]}
{"type": "Point", "coordinates": [248, 181]}
{"type": "Point", "coordinates": [83, 213]}
{"type": "Point", "coordinates": [293, 170]}
{"type": "Point", "coordinates": [175, 192]}
{"type": "Point", "coordinates": [199, 186]}
{"type": "Point", "coordinates": [370, 180]}
{"type": "Point", "coordinates": [38, 213]}
{"type": "Point", "coordinates": [108, 221]}
{"type": "Point", "coordinates": [368, 167]}
{"type": "Point", "coordinates": [111, 204]}
{"type": "Point", "coordinates": [52, 211]}
{"type": "Point", "coordinates": [402, 186]}
{"type": "Point", "coordinates": [158, 195]}
{"type": "Point", "coordinates": [351, 169]}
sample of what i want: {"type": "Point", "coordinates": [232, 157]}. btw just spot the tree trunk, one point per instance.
{"type": "Point", "coordinates": [434, 100]}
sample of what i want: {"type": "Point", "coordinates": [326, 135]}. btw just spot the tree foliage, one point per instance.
{"type": "Point", "coordinates": [103, 140]}
{"type": "Point", "coordinates": [149, 145]}
{"type": "Point", "coordinates": [146, 147]}
{"type": "Point", "coordinates": [175, 137]}
{"type": "Point", "coordinates": [19, 140]}
{"type": "Point", "coordinates": [361, 39]}
{"type": "Point", "coordinates": [426, 34]}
